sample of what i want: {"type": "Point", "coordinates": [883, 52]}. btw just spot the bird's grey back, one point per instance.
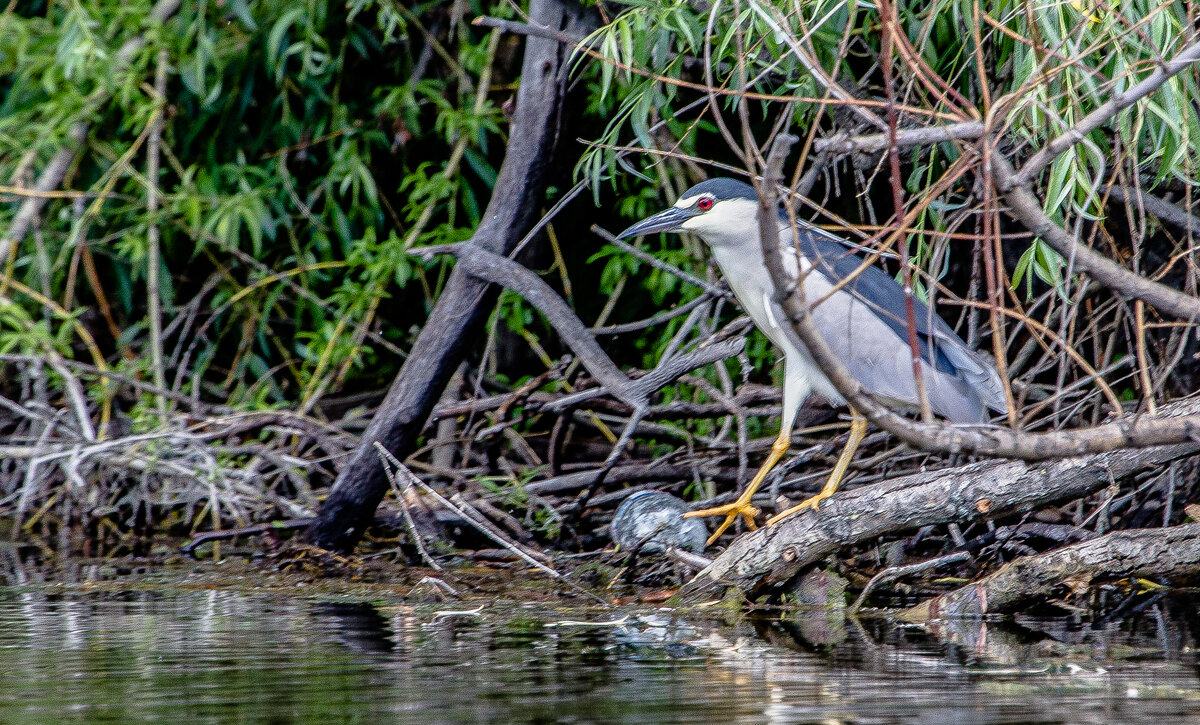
{"type": "Point", "coordinates": [962, 386]}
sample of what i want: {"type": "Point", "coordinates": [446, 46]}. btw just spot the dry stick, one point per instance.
{"type": "Point", "coordinates": [1162, 552]}
{"type": "Point", "coordinates": [843, 145]}
{"type": "Point", "coordinates": [753, 399]}
{"type": "Point", "coordinates": [1165, 211]}
{"type": "Point", "coordinates": [631, 424]}
{"type": "Point", "coordinates": [49, 179]}
{"type": "Point", "coordinates": [659, 376]}
{"type": "Point", "coordinates": [987, 489]}
{"type": "Point", "coordinates": [657, 263]}
{"type": "Point", "coordinates": [497, 269]}
{"type": "Point", "coordinates": [482, 521]}
{"type": "Point", "coordinates": [500, 270]}
{"type": "Point", "coordinates": [401, 492]}
{"type": "Point", "coordinates": [75, 394]}
{"type": "Point", "coordinates": [189, 549]}
{"type": "Point", "coordinates": [687, 558]}
{"type": "Point", "coordinates": [153, 302]}
{"type": "Point", "coordinates": [653, 320]}
{"type": "Point", "coordinates": [611, 461]}
{"type": "Point", "coordinates": [1027, 209]}
{"type": "Point", "coordinates": [619, 474]}
{"type": "Point", "coordinates": [387, 457]}
{"type": "Point", "coordinates": [895, 572]}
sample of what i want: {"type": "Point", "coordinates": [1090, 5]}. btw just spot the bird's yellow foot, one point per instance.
{"type": "Point", "coordinates": [730, 511]}
{"type": "Point", "coordinates": [813, 503]}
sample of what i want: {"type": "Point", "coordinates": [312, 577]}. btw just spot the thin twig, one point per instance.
{"type": "Point", "coordinates": [412, 477]}
{"type": "Point", "coordinates": [844, 145]}
{"type": "Point", "coordinates": [409, 524]}
{"type": "Point", "coordinates": [657, 263]}
{"type": "Point", "coordinates": [895, 572]}
{"type": "Point", "coordinates": [153, 233]}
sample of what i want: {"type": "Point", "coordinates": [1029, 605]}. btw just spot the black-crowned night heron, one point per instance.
{"type": "Point", "coordinates": [863, 320]}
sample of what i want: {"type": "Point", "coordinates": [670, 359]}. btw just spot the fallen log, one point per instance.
{"type": "Point", "coordinates": [770, 556]}
{"type": "Point", "coordinates": [1170, 552]}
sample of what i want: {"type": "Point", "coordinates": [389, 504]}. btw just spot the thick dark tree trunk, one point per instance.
{"type": "Point", "coordinates": [457, 318]}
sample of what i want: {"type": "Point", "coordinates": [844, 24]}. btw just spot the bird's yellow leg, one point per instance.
{"type": "Point", "coordinates": [858, 429]}
{"type": "Point", "coordinates": [741, 507]}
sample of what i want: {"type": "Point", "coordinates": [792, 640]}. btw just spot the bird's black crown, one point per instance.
{"type": "Point", "coordinates": [722, 189]}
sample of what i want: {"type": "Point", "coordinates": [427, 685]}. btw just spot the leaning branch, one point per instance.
{"type": "Point", "coordinates": [1105, 113]}
{"type": "Point", "coordinates": [462, 308]}
{"type": "Point", "coordinates": [49, 180]}
{"type": "Point", "coordinates": [498, 269]}
{"type": "Point", "coordinates": [503, 271]}
{"type": "Point", "coordinates": [1026, 208]}
{"type": "Point", "coordinates": [1170, 552]}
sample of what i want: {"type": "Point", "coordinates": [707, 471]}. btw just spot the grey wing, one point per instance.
{"type": "Point", "coordinates": [862, 322]}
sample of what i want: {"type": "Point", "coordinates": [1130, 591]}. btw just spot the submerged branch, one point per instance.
{"type": "Point", "coordinates": [1167, 552]}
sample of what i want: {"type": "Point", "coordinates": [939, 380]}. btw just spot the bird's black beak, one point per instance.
{"type": "Point", "coordinates": [664, 221]}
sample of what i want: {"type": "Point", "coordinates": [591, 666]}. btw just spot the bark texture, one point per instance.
{"type": "Point", "coordinates": [772, 555]}
{"type": "Point", "coordinates": [1168, 552]}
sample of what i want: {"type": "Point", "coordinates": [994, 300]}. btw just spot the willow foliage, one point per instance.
{"type": "Point", "coordinates": [282, 120]}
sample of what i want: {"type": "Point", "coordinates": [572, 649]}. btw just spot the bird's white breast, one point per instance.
{"type": "Point", "coordinates": [743, 266]}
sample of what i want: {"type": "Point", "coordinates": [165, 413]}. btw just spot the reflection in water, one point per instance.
{"type": "Point", "coordinates": [358, 625]}
{"type": "Point", "coordinates": [221, 656]}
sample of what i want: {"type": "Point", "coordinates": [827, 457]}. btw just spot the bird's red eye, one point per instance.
{"type": "Point", "coordinates": [704, 204]}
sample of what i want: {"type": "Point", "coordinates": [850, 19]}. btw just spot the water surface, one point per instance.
{"type": "Point", "coordinates": [231, 656]}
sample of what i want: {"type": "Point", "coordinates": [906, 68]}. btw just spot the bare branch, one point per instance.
{"type": "Point", "coordinates": [1166, 212]}
{"type": "Point", "coordinates": [657, 263]}
{"type": "Point", "coordinates": [895, 572]}
{"type": "Point", "coordinates": [531, 29]}
{"type": "Point", "coordinates": [842, 144]}
{"type": "Point", "coordinates": [1106, 112]}
{"type": "Point", "coordinates": [1027, 209]}
{"type": "Point", "coordinates": [49, 180]}
{"type": "Point", "coordinates": [501, 270]}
